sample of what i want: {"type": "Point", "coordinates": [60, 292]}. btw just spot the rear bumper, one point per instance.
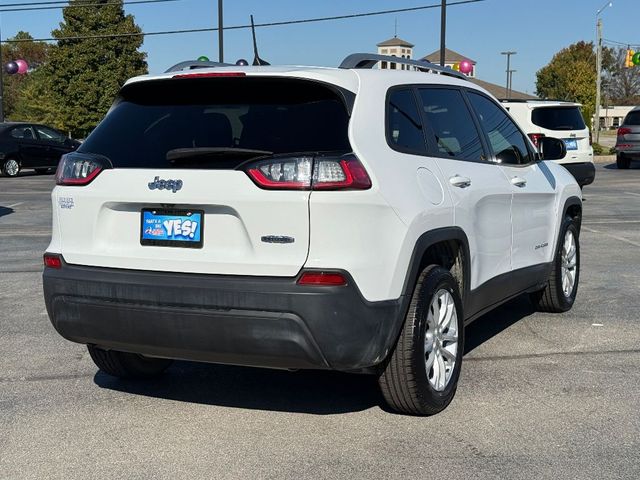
{"type": "Point", "coordinates": [584, 173]}
{"type": "Point", "coordinates": [257, 321]}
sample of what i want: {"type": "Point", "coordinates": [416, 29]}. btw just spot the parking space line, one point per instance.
{"type": "Point", "coordinates": [615, 237]}
{"type": "Point", "coordinates": [632, 193]}
{"type": "Point", "coordinates": [14, 205]}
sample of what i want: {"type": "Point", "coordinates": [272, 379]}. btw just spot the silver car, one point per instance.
{"type": "Point", "coordinates": [628, 140]}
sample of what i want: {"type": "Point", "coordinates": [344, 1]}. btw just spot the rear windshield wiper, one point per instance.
{"type": "Point", "coordinates": [179, 154]}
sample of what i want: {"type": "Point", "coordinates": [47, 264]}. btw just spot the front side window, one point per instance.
{"type": "Point", "coordinates": [507, 142]}
{"type": "Point", "coordinates": [404, 127]}
{"type": "Point", "coordinates": [50, 134]}
{"type": "Point", "coordinates": [454, 131]}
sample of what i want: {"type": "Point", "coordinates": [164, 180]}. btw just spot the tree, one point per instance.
{"type": "Point", "coordinates": [621, 84]}
{"type": "Point", "coordinates": [35, 102]}
{"type": "Point", "coordinates": [86, 74]}
{"type": "Point", "coordinates": [571, 75]}
{"type": "Point", "coordinates": [35, 54]}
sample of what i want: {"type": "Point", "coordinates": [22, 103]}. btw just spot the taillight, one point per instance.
{"type": "Point", "coordinates": [535, 138]}
{"type": "Point", "coordinates": [624, 131]}
{"type": "Point", "coordinates": [309, 173]}
{"type": "Point", "coordinates": [52, 260]}
{"type": "Point", "coordinates": [79, 169]}
{"type": "Point", "coordinates": [331, 279]}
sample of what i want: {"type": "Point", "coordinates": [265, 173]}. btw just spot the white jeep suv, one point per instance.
{"type": "Point", "coordinates": [540, 118]}
{"type": "Point", "coordinates": [349, 218]}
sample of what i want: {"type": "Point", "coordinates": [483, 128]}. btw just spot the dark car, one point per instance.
{"type": "Point", "coordinates": [628, 139]}
{"type": "Point", "coordinates": [27, 145]}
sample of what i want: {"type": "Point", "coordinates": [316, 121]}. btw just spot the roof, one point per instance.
{"type": "Point", "coordinates": [499, 91]}
{"type": "Point", "coordinates": [395, 42]}
{"type": "Point", "coordinates": [450, 56]}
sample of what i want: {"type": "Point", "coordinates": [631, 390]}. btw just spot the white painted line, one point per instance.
{"type": "Point", "coordinates": [611, 222]}
{"type": "Point", "coordinates": [615, 237]}
{"type": "Point", "coordinates": [14, 205]}
{"type": "Point", "coordinates": [25, 234]}
{"type": "Point", "coordinates": [597, 325]}
{"type": "Point", "coordinates": [631, 193]}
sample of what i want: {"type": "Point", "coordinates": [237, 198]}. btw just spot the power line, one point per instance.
{"type": "Point", "coordinates": [621, 44]}
{"type": "Point", "coordinates": [74, 5]}
{"type": "Point", "coordinates": [239, 27]}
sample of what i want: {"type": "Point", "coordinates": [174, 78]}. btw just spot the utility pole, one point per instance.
{"type": "Point", "coordinates": [507, 90]}
{"type": "Point", "coordinates": [596, 125]}
{"type": "Point", "coordinates": [220, 33]}
{"type": "Point", "coordinates": [1, 83]}
{"type": "Point", "coordinates": [510, 72]}
{"type": "Point", "coordinates": [443, 30]}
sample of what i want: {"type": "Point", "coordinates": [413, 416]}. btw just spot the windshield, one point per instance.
{"type": "Point", "coordinates": [154, 118]}
{"type": "Point", "coordinates": [558, 118]}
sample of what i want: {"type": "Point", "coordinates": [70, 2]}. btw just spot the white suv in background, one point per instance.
{"type": "Point", "coordinates": [539, 118]}
{"type": "Point", "coordinates": [346, 218]}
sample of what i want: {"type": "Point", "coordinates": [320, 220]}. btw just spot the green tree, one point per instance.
{"type": "Point", "coordinates": [35, 54]}
{"type": "Point", "coordinates": [86, 74]}
{"type": "Point", "coordinates": [35, 102]}
{"type": "Point", "coordinates": [571, 75]}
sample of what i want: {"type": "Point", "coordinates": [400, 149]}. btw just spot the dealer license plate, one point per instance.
{"type": "Point", "coordinates": [171, 227]}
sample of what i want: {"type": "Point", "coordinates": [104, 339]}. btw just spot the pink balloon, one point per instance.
{"type": "Point", "coordinates": [22, 66]}
{"type": "Point", "coordinates": [466, 66]}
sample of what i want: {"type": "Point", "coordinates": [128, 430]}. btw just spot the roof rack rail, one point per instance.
{"type": "Point", "coordinates": [368, 60]}
{"type": "Point", "coordinates": [193, 64]}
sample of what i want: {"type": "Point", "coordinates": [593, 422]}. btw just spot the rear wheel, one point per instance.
{"type": "Point", "coordinates": [127, 365]}
{"type": "Point", "coordinates": [622, 162]}
{"type": "Point", "coordinates": [11, 167]}
{"type": "Point", "coordinates": [561, 288]}
{"type": "Point", "coordinates": [422, 374]}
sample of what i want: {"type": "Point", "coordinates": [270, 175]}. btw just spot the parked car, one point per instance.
{"type": "Point", "coordinates": [539, 118]}
{"type": "Point", "coordinates": [628, 139]}
{"type": "Point", "coordinates": [28, 145]}
{"type": "Point", "coordinates": [351, 219]}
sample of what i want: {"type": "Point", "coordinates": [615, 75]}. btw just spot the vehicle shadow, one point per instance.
{"type": "Point", "coordinates": [311, 392]}
{"type": "Point", "coordinates": [5, 211]}
{"type": "Point", "coordinates": [613, 166]}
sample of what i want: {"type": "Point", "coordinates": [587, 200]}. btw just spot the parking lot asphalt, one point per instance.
{"type": "Point", "coordinates": [540, 396]}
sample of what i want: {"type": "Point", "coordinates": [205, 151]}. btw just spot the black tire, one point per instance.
{"type": "Point", "coordinates": [405, 383]}
{"type": "Point", "coordinates": [622, 162]}
{"type": "Point", "coordinates": [552, 297]}
{"type": "Point", "coordinates": [127, 365]}
{"type": "Point", "coordinates": [8, 168]}
{"type": "Point", "coordinates": [41, 171]}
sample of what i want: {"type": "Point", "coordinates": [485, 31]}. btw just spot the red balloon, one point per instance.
{"type": "Point", "coordinates": [466, 66]}
{"type": "Point", "coordinates": [22, 66]}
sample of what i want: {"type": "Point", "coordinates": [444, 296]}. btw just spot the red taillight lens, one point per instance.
{"type": "Point", "coordinates": [333, 279]}
{"type": "Point", "coordinates": [78, 169]}
{"type": "Point", "coordinates": [210, 75]}
{"type": "Point", "coordinates": [309, 173]}
{"type": "Point", "coordinates": [624, 131]}
{"type": "Point", "coordinates": [535, 138]}
{"type": "Point", "coordinates": [52, 261]}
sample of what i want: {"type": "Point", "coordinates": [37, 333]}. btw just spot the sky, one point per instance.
{"type": "Point", "coordinates": [536, 29]}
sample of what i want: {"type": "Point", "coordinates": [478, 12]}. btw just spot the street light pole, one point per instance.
{"type": "Point", "coordinates": [443, 30]}
{"type": "Point", "coordinates": [596, 125]}
{"type": "Point", "coordinates": [511, 72]}
{"type": "Point", "coordinates": [1, 83]}
{"type": "Point", "coordinates": [220, 33]}
{"type": "Point", "coordinates": [508, 86]}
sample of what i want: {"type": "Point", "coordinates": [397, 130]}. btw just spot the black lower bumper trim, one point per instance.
{"type": "Point", "coordinates": [584, 173]}
{"type": "Point", "coordinates": [257, 321]}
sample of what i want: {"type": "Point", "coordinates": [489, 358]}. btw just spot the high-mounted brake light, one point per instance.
{"type": "Point", "coordinates": [535, 138]}
{"type": "Point", "coordinates": [52, 260]}
{"type": "Point", "coordinates": [624, 131]}
{"type": "Point", "coordinates": [309, 173]}
{"type": "Point", "coordinates": [329, 279]}
{"type": "Point", "coordinates": [77, 169]}
{"type": "Point", "coordinates": [210, 74]}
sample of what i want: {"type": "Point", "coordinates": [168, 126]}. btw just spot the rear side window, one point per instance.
{"type": "Point", "coordinates": [272, 115]}
{"type": "Point", "coordinates": [454, 131]}
{"type": "Point", "coordinates": [632, 118]}
{"type": "Point", "coordinates": [404, 126]}
{"type": "Point", "coordinates": [558, 118]}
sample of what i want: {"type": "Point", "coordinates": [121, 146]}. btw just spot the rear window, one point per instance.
{"type": "Point", "coordinates": [558, 118]}
{"type": "Point", "coordinates": [632, 118]}
{"type": "Point", "coordinates": [273, 115]}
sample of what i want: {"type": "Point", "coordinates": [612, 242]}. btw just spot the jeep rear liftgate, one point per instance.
{"type": "Point", "coordinates": [164, 183]}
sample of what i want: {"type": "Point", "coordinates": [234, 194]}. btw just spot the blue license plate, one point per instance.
{"type": "Point", "coordinates": [571, 143]}
{"type": "Point", "coordinates": [172, 228]}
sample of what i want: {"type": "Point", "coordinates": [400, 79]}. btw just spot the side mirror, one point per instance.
{"type": "Point", "coordinates": [550, 148]}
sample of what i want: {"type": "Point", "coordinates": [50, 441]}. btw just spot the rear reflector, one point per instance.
{"type": "Point", "coordinates": [52, 260]}
{"type": "Point", "coordinates": [210, 75]}
{"type": "Point", "coordinates": [322, 278]}
{"type": "Point", "coordinates": [309, 173]}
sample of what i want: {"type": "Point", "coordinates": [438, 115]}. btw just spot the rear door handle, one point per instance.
{"type": "Point", "coordinates": [519, 182]}
{"type": "Point", "coordinates": [460, 182]}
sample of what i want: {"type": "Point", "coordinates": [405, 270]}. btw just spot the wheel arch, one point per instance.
{"type": "Point", "coordinates": [573, 209]}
